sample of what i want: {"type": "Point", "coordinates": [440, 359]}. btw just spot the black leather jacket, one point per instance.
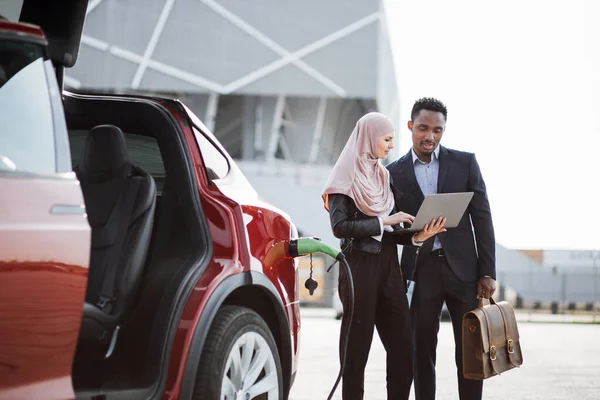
{"type": "Point", "coordinates": [349, 223]}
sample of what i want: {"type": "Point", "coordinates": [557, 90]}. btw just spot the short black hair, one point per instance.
{"type": "Point", "coordinates": [430, 104]}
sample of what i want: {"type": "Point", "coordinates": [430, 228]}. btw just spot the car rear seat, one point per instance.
{"type": "Point", "coordinates": [120, 201]}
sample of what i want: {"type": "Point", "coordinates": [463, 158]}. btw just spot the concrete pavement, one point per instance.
{"type": "Point", "coordinates": [561, 361]}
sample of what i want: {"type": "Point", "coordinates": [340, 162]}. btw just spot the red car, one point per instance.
{"type": "Point", "coordinates": [136, 261]}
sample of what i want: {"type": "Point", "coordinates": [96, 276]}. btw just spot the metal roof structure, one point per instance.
{"type": "Point", "coordinates": [260, 47]}
{"type": "Point", "coordinates": [331, 58]}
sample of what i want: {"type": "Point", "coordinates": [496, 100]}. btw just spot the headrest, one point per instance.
{"type": "Point", "coordinates": [105, 154]}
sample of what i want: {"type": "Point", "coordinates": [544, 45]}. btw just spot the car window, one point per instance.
{"type": "Point", "coordinates": [27, 126]}
{"type": "Point", "coordinates": [215, 163]}
{"type": "Point", "coordinates": [143, 151]}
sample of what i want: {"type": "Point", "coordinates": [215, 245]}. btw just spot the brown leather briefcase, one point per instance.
{"type": "Point", "coordinates": [490, 340]}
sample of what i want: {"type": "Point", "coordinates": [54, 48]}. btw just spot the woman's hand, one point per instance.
{"type": "Point", "coordinates": [431, 229]}
{"type": "Point", "coordinates": [395, 219]}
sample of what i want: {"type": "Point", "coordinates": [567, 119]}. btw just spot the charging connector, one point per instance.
{"type": "Point", "coordinates": [309, 246]}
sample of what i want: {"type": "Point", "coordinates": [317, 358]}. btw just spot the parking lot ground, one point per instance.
{"type": "Point", "coordinates": [561, 361]}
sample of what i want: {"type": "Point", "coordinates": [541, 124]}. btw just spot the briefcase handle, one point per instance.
{"type": "Point", "coordinates": [491, 300]}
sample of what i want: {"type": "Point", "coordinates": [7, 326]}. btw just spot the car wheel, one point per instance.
{"type": "Point", "coordinates": [240, 360]}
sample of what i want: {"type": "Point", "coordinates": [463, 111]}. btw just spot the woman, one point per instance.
{"type": "Point", "coordinates": [360, 200]}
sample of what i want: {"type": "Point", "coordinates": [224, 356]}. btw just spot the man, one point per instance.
{"type": "Point", "coordinates": [457, 266]}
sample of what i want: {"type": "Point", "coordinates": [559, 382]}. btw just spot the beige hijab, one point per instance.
{"type": "Point", "coordinates": [358, 173]}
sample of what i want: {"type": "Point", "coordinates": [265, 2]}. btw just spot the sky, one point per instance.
{"type": "Point", "coordinates": [521, 80]}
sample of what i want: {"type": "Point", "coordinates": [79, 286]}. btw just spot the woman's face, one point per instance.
{"type": "Point", "coordinates": [384, 145]}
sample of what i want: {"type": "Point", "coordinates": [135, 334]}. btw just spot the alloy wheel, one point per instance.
{"type": "Point", "coordinates": [250, 371]}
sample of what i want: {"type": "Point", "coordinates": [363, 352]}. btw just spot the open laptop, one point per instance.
{"type": "Point", "coordinates": [449, 205]}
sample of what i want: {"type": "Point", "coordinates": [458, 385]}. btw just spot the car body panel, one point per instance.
{"type": "Point", "coordinates": [44, 248]}
{"type": "Point", "coordinates": [44, 255]}
{"type": "Point", "coordinates": [265, 226]}
{"type": "Point", "coordinates": [229, 204]}
{"type": "Point", "coordinates": [25, 31]}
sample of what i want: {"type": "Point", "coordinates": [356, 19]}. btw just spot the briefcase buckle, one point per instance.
{"type": "Point", "coordinates": [493, 353]}
{"type": "Point", "coordinates": [511, 346]}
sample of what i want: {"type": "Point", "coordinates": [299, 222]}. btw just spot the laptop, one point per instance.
{"type": "Point", "coordinates": [449, 205]}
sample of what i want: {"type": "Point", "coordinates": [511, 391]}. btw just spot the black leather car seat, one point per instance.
{"type": "Point", "coordinates": [120, 201]}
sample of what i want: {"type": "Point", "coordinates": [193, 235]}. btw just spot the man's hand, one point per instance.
{"type": "Point", "coordinates": [486, 287]}
{"type": "Point", "coordinates": [431, 229]}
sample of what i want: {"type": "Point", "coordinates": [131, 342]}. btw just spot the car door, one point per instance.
{"type": "Point", "coordinates": [44, 233]}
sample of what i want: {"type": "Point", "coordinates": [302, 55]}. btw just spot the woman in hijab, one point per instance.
{"type": "Point", "coordinates": [360, 199]}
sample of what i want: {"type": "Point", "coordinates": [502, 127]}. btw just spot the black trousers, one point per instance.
{"type": "Point", "coordinates": [379, 301]}
{"type": "Point", "coordinates": [436, 283]}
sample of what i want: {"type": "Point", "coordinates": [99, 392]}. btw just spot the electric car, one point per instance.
{"type": "Point", "coordinates": [136, 260]}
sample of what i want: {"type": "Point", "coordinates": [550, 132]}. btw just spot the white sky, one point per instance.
{"type": "Point", "coordinates": [521, 79]}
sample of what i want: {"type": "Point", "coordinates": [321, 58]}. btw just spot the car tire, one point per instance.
{"type": "Point", "coordinates": [240, 359]}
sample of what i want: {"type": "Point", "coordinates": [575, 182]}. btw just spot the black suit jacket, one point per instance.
{"type": "Point", "coordinates": [349, 223]}
{"type": "Point", "coordinates": [470, 248]}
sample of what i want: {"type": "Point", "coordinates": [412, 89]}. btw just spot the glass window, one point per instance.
{"type": "Point", "coordinates": [61, 136]}
{"type": "Point", "coordinates": [27, 126]}
{"type": "Point", "coordinates": [143, 151]}
{"type": "Point", "coordinates": [215, 163]}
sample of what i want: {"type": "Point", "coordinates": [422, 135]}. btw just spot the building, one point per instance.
{"type": "Point", "coordinates": [576, 261]}
{"type": "Point", "coordinates": [570, 278]}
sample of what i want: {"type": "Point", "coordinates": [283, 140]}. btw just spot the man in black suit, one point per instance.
{"type": "Point", "coordinates": [457, 266]}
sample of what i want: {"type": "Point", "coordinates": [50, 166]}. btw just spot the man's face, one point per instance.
{"type": "Point", "coordinates": [427, 130]}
